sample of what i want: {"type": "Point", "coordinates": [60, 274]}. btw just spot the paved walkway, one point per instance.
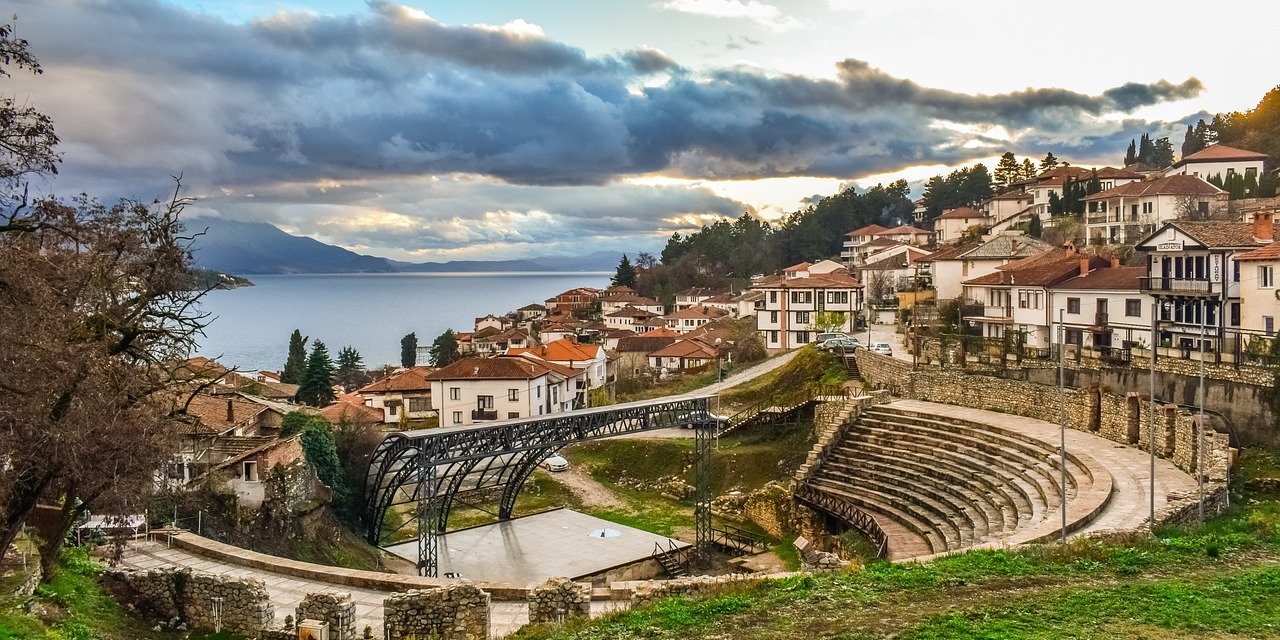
{"type": "Point", "coordinates": [1129, 506]}
{"type": "Point", "coordinates": [287, 592]}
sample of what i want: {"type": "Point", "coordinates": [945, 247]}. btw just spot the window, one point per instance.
{"type": "Point", "coordinates": [773, 337]}
{"type": "Point", "coordinates": [773, 317]}
{"type": "Point", "coordinates": [801, 297]}
{"type": "Point", "coordinates": [484, 402]}
{"type": "Point", "coordinates": [1235, 271]}
{"type": "Point", "coordinates": [249, 470]}
{"type": "Point", "coordinates": [512, 415]}
{"type": "Point", "coordinates": [1132, 308]}
{"type": "Point", "coordinates": [802, 317]}
{"type": "Point", "coordinates": [1075, 336]}
{"type": "Point", "coordinates": [1269, 325]}
{"type": "Point", "coordinates": [1235, 314]}
{"type": "Point", "coordinates": [539, 389]}
{"type": "Point", "coordinates": [513, 395]}
{"type": "Point", "coordinates": [455, 393]}
{"type": "Point", "coordinates": [392, 408]}
{"type": "Point", "coordinates": [417, 405]}
{"type": "Point", "coordinates": [1230, 172]}
{"type": "Point", "coordinates": [773, 297]}
{"type": "Point", "coordinates": [1147, 207]}
{"type": "Point", "coordinates": [1250, 172]}
{"type": "Point", "coordinates": [837, 297]}
{"type": "Point", "coordinates": [1022, 298]}
{"type": "Point", "coordinates": [1203, 209]}
{"type": "Point", "coordinates": [1266, 277]}
{"type": "Point", "coordinates": [457, 417]}
{"type": "Point", "coordinates": [802, 337]}
{"type": "Point", "coordinates": [964, 267]}
{"type": "Point", "coordinates": [1073, 305]}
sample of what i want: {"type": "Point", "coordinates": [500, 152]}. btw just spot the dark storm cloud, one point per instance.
{"type": "Point", "coordinates": [261, 116]}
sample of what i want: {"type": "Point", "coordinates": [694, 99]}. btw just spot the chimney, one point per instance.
{"type": "Point", "coordinates": [1084, 266]}
{"type": "Point", "coordinates": [1263, 227]}
{"type": "Point", "coordinates": [231, 411]}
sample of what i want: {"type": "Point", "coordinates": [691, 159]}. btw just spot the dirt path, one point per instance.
{"type": "Point", "coordinates": [590, 492]}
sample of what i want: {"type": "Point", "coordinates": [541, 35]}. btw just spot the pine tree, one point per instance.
{"type": "Point", "coordinates": [408, 350]}
{"type": "Point", "coordinates": [625, 276]}
{"type": "Point", "coordinates": [1131, 156]}
{"type": "Point", "coordinates": [1028, 171]}
{"type": "Point", "coordinates": [317, 381]}
{"type": "Point", "coordinates": [350, 367]}
{"type": "Point", "coordinates": [444, 349]}
{"type": "Point", "coordinates": [1050, 162]}
{"type": "Point", "coordinates": [1162, 153]}
{"type": "Point", "coordinates": [1006, 171]}
{"type": "Point", "coordinates": [297, 361]}
{"type": "Point", "coordinates": [1034, 227]}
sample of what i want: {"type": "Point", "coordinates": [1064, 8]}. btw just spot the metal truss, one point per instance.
{"type": "Point", "coordinates": [429, 468]}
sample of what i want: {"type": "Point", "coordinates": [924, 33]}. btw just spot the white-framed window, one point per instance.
{"type": "Point", "coordinates": [1073, 305]}
{"type": "Point", "coordinates": [455, 393]}
{"type": "Point", "coordinates": [417, 405]}
{"type": "Point", "coordinates": [1269, 325]}
{"type": "Point", "coordinates": [802, 317]}
{"type": "Point", "coordinates": [1132, 308]}
{"type": "Point", "coordinates": [513, 395]}
{"type": "Point", "coordinates": [1266, 276]}
{"type": "Point", "coordinates": [392, 409]}
{"type": "Point", "coordinates": [249, 470]}
{"type": "Point", "coordinates": [457, 417]}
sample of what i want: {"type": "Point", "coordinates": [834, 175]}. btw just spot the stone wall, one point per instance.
{"type": "Point", "coordinates": [559, 599]}
{"type": "Point", "coordinates": [645, 592]}
{"type": "Point", "coordinates": [180, 597]}
{"type": "Point", "coordinates": [334, 608]}
{"type": "Point", "coordinates": [455, 612]}
{"type": "Point", "coordinates": [1120, 417]}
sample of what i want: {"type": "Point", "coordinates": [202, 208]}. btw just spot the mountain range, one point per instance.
{"type": "Point", "coordinates": [245, 248]}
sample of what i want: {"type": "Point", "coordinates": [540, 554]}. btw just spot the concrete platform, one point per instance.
{"type": "Point", "coordinates": [544, 545]}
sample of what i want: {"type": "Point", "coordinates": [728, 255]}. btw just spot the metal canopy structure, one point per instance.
{"type": "Point", "coordinates": [430, 468]}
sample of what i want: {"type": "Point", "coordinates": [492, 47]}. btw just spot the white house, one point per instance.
{"type": "Point", "coordinates": [683, 355]}
{"type": "Point", "coordinates": [1103, 308]}
{"type": "Point", "coordinates": [492, 322]}
{"type": "Point", "coordinates": [691, 318]}
{"type": "Point", "coordinates": [1016, 296]}
{"type": "Point", "coordinates": [749, 302]}
{"type": "Point", "coordinates": [907, 234]}
{"type": "Point", "coordinates": [506, 387]}
{"type": "Point", "coordinates": [404, 395]}
{"type": "Point", "coordinates": [1259, 293]}
{"type": "Point", "coordinates": [627, 317]}
{"type": "Point", "coordinates": [1220, 160]}
{"type": "Point", "coordinates": [590, 359]}
{"type": "Point", "coordinates": [1130, 211]}
{"type": "Point", "coordinates": [693, 296]}
{"type": "Point", "coordinates": [952, 265]}
{"type": "Point", "coordinates": [953, 223]}
{"type": "Point", "coordinates": [616, 298]}
{"type": "Point", "coordinates": [1193, 274]}
{"type": "Point", "coordinates": [793, 303]}
{"type": "Point", "coordinates": [897, 269]}
{"type": "Point", "coordinates": [533, 311]}
{"type": "Point", "coordinates": [855, 243]}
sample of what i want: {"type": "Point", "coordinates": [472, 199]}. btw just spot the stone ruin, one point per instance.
{"type": "Point", "coordinates": [559, 599]}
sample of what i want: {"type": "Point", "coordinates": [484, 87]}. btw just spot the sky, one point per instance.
{"type": "Point", "coordinates": [431, 130]}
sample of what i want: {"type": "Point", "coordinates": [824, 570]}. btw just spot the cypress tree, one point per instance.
{"type": "Point", "coordinates": [297, 361]}
{"type": "Point", "coordinates": [409, 350]}
{"type": "Point", "coordinates": [625, 276]}
{"type": "Point", "coordinates": [1131, 156]}
{"type": "Point", "coordinates": [1146, 150]}
{"type": "Point", "coordinates": [317, 381]}
{"type": "Point", "coordinates": [1034, 227]}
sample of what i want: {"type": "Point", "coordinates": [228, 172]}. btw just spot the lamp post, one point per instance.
{"type": "Point", "coordinates": [1151, 424]}
{"type": "Point", "coordinates": [1200, 421]}
{"type": "Point", "coordinates": [1062, 419]}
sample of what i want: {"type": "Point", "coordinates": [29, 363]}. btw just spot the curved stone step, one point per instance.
{"type": "Point", "coordinates": [956, 517]}
{"type": "Point", "coordinates": [877, 506]}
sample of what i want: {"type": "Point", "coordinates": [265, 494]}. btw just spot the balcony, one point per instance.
{"type": "Point", "coordinates": [1099, 320]}
{"type": "Point", "coordinates": [990, 313]}
{"type": "Point", "coordinates": [484, 414]}
{"type": "Point", "coordinates": [1098, 218]}
{"type": "Point", "coordinates": [1180, 287]}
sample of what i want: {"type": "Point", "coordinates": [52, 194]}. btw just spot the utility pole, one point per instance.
{"type": "Point", "coordinates": [1151, 423]}
{"type": "Point", "coordinates": [1200, 421]}
{"type": "Point", "coordinates": [1062, 419]}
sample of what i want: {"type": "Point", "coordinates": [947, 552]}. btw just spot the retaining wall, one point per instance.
{"type": "Point", "coordinates": [457, 612]}
{"type": "Point", "coordinates": [181, 596]}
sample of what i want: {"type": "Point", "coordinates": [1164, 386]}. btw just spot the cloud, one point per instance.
{"type": "Point", "coordinates": [766, 15]}
{"type": "Point", "coordinates": [379, 112]}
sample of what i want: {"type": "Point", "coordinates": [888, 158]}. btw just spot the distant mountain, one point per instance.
{"type": "Point", "coordinates": [243, 248]}
{"type": "Point", "coordinates": [231, 246]}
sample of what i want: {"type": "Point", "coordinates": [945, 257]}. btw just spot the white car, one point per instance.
{"type": "Point", "coordinates": [882, 348]}
{"type": "Point", "coordinates": [688, 420]}
{"type": "Point", "coordinates": [555, 463]}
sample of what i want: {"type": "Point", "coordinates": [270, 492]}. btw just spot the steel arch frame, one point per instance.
{"type": "Point", "coordinates": [437, 463]}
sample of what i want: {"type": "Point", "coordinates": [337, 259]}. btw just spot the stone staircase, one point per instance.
{"type": "Point", "coordinates": [936, 485]}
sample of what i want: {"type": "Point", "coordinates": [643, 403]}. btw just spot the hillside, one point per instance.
{"type": "Point", "coordinates": [246, 248]}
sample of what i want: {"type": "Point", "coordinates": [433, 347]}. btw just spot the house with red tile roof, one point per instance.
{"type": "Point", "coordinates": [855, 242]}
{"type": "Point", "coordinates": [474, 390]}
{"type": "Point", "coordinates": [403, 395]}
{"type": "Point", "coordinates": [622, 297]}
{"type": "Point", "coordinates": [627, 317]}
{"type": "Point", "coordinates": [907, 234]}
{"type": "Point", "coordinates": [1016, 296]}
{"type": "Point", "coordinates": [1103, 308]}
{"type": "Point", "coordinates": [683, 356]}
{"type": "Point", "coordinates": [953, 223]}
{"type": "Point", "coordinates": [693, 296]}
{"type": "Point", "coordinates": [1220, 160]}
{"type": "Point", "coordinates": [576, 301]}
{"type": "Point", "coordinates": [691, 318]}
{"type": "Point", "coordinates": [794, 305]}
{"type": "Point", "coordinates": [591, 359]}
{"type": "Point", "coordinates": [1127, 213]}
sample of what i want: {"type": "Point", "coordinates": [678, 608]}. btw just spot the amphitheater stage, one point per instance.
{"type": "Point", "coordinates": [561, 542]}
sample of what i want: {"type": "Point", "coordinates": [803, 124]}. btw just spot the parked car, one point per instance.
{"type": "Point", "coordinates": [830, 335]}
{"type": "Point", "coordinates": [840, 344]}
{"type": "Point", "coordinates": [882, 348]}
{"type": "Point", "coordinates": [692, 418]}
{"type": "Point", "coordinates": [555, 462]}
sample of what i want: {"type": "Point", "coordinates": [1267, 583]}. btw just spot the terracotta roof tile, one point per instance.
{"type": "Point", "coordinates": [411, 379]}
{"type": "Point", "coordinates": [1174, 185]}
{"type": "Point", "coordinates": [869, 230]}
{"type": "Point", "coordinates": [1217, 152]}
{"type": "Point", "coordinates": [353, 411]}
{"type": "Point", "coordinates": [686, 349]}
{"type": "Point", "coordinates": [1267, 252]}
{"type": "Point", "coordinates": [1221, 234]}
{"type": "Point", "coordinates": [961, 213]}
{"type": "Point", "coordinates": [644, 344]}
{"type": "Point", "coordinates": [1108, 279]}
{"type": "Point", "coordinates": [500, 368]}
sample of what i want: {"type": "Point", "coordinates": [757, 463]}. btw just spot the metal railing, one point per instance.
{"type": "Point", "coordinates": [1193, 286]}
{"type": "Point", "coordinates": [739, 539]}
{"type": "Point", "coordinates": [847, 513]}
{"type": "Point", "coordinates": [484, 414]}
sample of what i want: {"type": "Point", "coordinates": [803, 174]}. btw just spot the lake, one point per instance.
{"type": "Point", "coordinates": [371, 312]}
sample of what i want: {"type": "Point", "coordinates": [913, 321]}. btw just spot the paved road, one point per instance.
{"type": "Point", "coordinates": [286, 592]}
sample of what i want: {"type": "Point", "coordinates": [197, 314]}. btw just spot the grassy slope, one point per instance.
{"type": "Point", "coordinates": [1217, 580]}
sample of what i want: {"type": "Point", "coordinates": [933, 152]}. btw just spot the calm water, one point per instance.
{"type": "Point", "coordinates": [370, 312]}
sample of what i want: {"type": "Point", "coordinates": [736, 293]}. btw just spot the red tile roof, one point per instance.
{"type": "Point", "coordinates": [1046, 269]}
{"type": "Point", "coordinates": [962, 213]}
{"type": "Point", "coordinates": [833, 280]}
{"type": "Point", "coordinates": [869, 230]}
{"type": "Point", "coordinates": [799, 267]}
{"type": "Point", "coordinates": [1174, 185]}
{"type": "Point", "coordinates": [562, 350]}
{"type": "Point", "coordinates": [1220, 152]}
{"type": "Point", "coordinates": [1108, 279]}
{"type": "Point", "coordinates": [660, 332]}
{"type": "Point", "coordinates": [411, 379]}
{"type": "Point", "coordinates": [686, 349]}
{"type": "Point", "coordinates": [644, 344]}
{"type": "Point", "coordinates": [1114, 173]}
{"type": "Point", "coordinates": [1269, 252]}
{"type": "Point", "coordinates": [500, 368]}
{"type": "Point", "coordinates": [904, 229]}
{"type": "Point", "coordinates": [697, 312]}
{"type": "Point", "coordinates": [631, 312]}
{"type": "Point", "coordinates": [352, 411]}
